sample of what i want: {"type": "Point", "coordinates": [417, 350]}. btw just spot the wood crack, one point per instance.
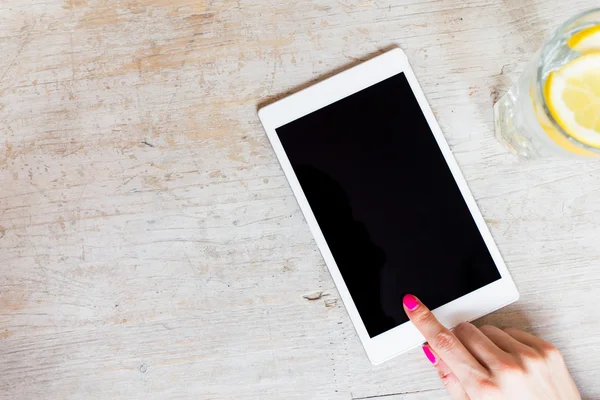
{"type": "Point", "coordinates": [383, 396]}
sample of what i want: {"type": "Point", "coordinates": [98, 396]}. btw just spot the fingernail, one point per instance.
{"type": "Point", "coordinates": [410, 302]}
{"type": "Point", "coordinates": [429, 354]}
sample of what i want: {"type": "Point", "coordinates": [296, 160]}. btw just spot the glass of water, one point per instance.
{"type": "Point", "coordinates": [554, 108]}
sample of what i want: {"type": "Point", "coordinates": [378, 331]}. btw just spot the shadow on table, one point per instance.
{"type": "Point", "coordinates": [512, 316]}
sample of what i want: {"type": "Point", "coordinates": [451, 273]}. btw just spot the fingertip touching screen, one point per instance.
{"type": "Point", "coordinates": [386, 202]}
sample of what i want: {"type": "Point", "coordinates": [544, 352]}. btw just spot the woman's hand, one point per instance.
{"type": "Point", "coordinates": [490, 363]}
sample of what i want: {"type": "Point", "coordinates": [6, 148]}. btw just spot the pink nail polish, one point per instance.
{"type": "Point", "coordinates": [410, 302]}
{"type": "Point", "coordinates": [429, 354]}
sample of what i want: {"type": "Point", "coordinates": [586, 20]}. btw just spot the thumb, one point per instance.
{"type": "Point", "coordinates": [450, 381]}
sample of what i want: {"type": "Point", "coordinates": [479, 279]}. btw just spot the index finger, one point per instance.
{"type": "Point", "coordinates": [466, 368]}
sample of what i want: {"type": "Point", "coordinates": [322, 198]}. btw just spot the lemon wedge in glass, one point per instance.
{"type": "Point", "coordinates": [573, 98]}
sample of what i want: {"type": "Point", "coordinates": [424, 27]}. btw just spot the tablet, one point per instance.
{"type": "Point", "coordinates": [386, 203]}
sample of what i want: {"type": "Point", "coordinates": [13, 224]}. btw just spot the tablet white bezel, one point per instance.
{"type": "Point", "coordinates": [467, 308]}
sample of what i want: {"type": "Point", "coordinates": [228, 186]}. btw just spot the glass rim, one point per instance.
{"type": "Point", "coordinates": [540, 84]}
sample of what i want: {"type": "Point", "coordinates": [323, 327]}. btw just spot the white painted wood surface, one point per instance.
{"type": "Point", "coordinates": [150, 245]}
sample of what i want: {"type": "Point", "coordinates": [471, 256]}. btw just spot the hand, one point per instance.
{"type": "Point", "coordinates": [490, 363]}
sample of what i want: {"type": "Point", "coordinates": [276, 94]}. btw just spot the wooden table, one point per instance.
{"type": "Point", "coordinates": [151, 246]}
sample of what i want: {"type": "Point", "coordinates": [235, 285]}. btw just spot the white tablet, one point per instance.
{"type": "Point", "coordinates": [386, 202]}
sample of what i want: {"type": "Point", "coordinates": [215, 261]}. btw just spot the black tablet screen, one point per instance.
{"type": "Point", "coordinates": [387, 203]}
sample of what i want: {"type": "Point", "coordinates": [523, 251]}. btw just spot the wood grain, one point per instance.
{"type": "Point", "coordinates": [151, 247]}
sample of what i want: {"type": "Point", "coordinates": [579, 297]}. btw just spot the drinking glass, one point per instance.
{"type": "Point", "coordinates": [554, 108]}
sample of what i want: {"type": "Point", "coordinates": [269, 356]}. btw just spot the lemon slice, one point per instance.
{"type": "Point", "coordinates": [573, 97]}
{"type": "Point", "coordinates": [554, 133]}
{"type": "Point", "coordinates": [586, 41]}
